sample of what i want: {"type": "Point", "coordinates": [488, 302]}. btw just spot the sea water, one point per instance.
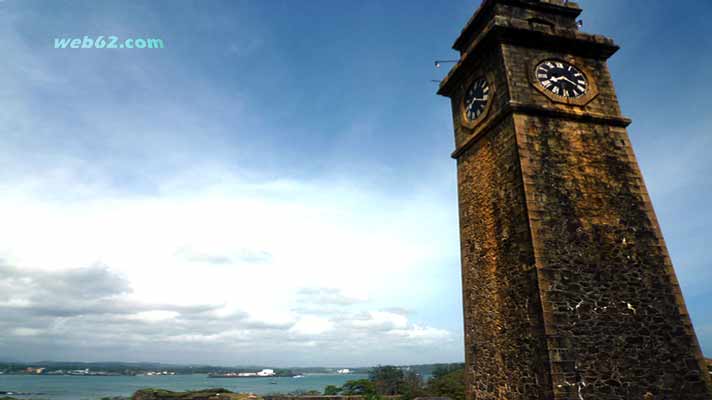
{"type": "Point", "coordinates": [53, 387]}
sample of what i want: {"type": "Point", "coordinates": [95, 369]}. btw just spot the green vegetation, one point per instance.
{"type": "Point", "coordinates": [447, 380]}
{"type": "Point", "coordinates": [362, 387]}
{"type": "Point", "coordinates": [331, 390]}
{"type": "Point", "coordinates": [387, 380]}
{"type": "Point", "coordinates": [412, 386]}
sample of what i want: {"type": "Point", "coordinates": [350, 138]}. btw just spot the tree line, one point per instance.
{"type": "Point", "coordinates": [447, 380]}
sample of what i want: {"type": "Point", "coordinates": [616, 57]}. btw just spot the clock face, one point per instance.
{"type": "Point", "coordinates": [476, 99]}
{"type": "Point", "coordinates": [562, 79]}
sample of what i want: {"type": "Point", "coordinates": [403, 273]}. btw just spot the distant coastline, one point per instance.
{"type": "Point", "coordinates": [44, 368]}
{"type": "Point", "coordinates": [148, 369]}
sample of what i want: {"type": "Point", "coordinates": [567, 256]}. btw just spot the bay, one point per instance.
{"type": "Point", "coordinates": [95, 387]}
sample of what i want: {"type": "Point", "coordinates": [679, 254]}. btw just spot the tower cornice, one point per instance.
{"type": "Point", "coordinates": [513, 30]}
{"type": "Point", "coordinates": [514, 107]}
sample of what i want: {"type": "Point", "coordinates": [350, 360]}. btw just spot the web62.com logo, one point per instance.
{"type": "Point", "coordinates": [110, 42]}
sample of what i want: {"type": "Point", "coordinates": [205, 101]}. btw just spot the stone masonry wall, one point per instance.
{"type": "Point", "coordinates": [616, 323]}
{"type": "Point", "coordinates": [615, 320]}
{"type": "Point", "coordinates": [505, 350]}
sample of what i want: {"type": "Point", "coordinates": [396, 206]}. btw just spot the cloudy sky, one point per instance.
{"type": "Point", "coordinates": [274, 186]}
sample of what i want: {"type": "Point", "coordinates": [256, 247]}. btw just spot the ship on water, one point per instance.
{"type": "Point", "coordinates": [265, 373]}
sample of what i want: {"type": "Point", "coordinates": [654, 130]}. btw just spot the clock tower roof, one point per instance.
{"type": "Point", "coordinates": [545, 24]}
{"type": "Point", "coordinates": [554, 12]}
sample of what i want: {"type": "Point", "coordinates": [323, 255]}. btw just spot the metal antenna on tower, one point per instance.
{"type": "Point", "coordinates": [438, 63]}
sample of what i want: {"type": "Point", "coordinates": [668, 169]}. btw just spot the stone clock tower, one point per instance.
{"type": "Point", "coordinates": [568, 288]}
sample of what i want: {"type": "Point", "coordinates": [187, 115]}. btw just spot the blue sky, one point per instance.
{"type": "Point", "coordinates": [277, 179]}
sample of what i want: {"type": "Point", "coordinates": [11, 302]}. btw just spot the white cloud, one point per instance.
{"type": "Point", "coordinates": [382, 320]}
{"type": "Point", "coordinates": [26, 331]}
{"type": "Point", "coordinates": [424, 334]}
{"type": "Point", "coordinates": [315, 237]}
{"type": "Point", "coordinates": [124, 224]}
{"type": "Point", "coordinates": [225, 264]}
{"type": "Point", "coordinates": [312, 325]}
{"type": "Point", "coordinates": [156, 315]}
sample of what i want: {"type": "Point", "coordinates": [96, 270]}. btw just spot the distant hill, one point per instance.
{"type": "Point", "coordinates": [140, 367]}
{"type": "Point", "coordinates": [122, 367]}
